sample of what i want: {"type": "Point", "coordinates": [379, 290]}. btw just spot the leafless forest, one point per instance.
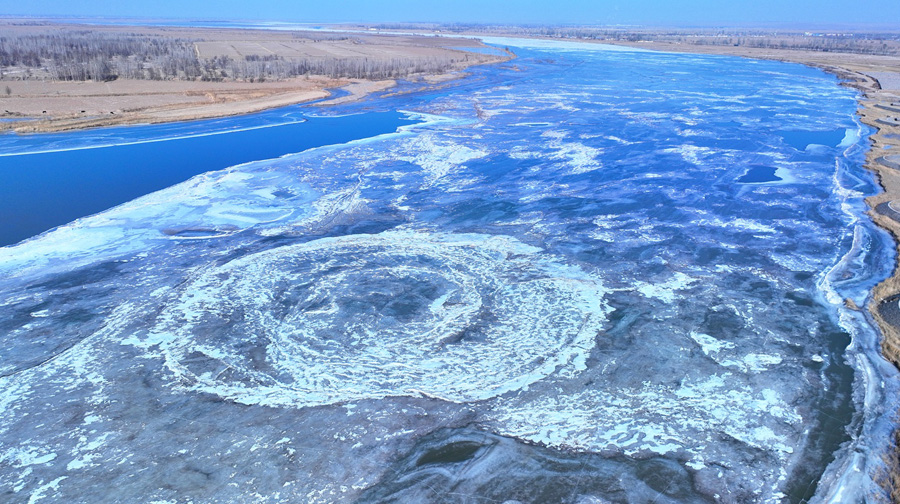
{"type": "Point", "coordinates": [79, 55]}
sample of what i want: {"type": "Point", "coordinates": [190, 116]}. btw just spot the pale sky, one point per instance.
{"type": "Point", "coordinates": [881, 13]}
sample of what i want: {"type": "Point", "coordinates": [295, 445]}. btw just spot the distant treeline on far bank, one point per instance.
{"type": "Point", "coordinates": [101, 55]}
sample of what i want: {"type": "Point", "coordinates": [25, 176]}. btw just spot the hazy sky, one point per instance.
{"type": "Point", "coordinates": [646, 12]}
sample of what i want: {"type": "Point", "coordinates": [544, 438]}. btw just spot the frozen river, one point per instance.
{"type": "Point", "coordinates": [585, 275]}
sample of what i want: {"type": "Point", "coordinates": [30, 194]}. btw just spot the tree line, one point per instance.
{"type": "Point", "coordinates": [88, 55]}
{"type": "Point", "coordinates": [275, 67]}
{"type": "Point", "coordinates": [887, 44]}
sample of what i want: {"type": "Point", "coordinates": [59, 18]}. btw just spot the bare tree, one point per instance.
{"type": "Point", "coordinates": [80, 55]}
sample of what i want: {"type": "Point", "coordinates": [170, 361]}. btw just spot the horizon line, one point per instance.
{"type": "Point", "coordinates": [852, 27]}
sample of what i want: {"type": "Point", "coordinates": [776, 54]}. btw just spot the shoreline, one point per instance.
{"type": "Point", "coordinates": [37, 101]}
{"type": "Point", "coordinates": [240, 100]}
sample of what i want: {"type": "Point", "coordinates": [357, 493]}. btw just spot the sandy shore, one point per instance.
{"type": "Point", "coordinates": [39, 105]}
{"type": "Point", "coordinates": [59, 106]}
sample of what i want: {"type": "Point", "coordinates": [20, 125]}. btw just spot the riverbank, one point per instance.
{"type": "Point", "coordinates": [63, 106]}
{"type": "Point", "coordinates": [32, 100]}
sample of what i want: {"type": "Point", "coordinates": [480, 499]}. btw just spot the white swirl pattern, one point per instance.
{"type": "Point", "coordinates": [462, 317]}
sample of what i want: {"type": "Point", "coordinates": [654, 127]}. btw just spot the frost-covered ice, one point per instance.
{"type": "Point", "coordinates": [461, 317]}
{"type": "Point", "coordinates": [554, 288]}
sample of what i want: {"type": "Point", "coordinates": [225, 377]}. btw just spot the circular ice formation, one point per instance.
{"type": "Point", "coordinates": [461, 317]}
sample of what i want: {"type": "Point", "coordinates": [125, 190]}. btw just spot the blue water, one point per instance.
{"type": "Point", "coordinates": [586, 275]}
{"type": "Point", "coordinates": [759, 174]}
{"type": "Point", "coordinates": [801, 139]}
{"type": "Point", "coordinates": [42, 190]}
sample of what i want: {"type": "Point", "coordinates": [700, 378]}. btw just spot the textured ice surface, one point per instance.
{"type": "Point", "coordinates": [555, 289]}
{"type": "Point", "coordinates": [459, 317]}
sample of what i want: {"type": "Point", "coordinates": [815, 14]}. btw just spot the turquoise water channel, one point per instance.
{"type": "Point", "coordinates": [50, 180]}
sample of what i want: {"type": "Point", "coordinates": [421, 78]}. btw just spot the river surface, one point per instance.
{"type": "Point", "coordinates": [585, 275]}
{"type": "Point", "coordinates": [51, 180]}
